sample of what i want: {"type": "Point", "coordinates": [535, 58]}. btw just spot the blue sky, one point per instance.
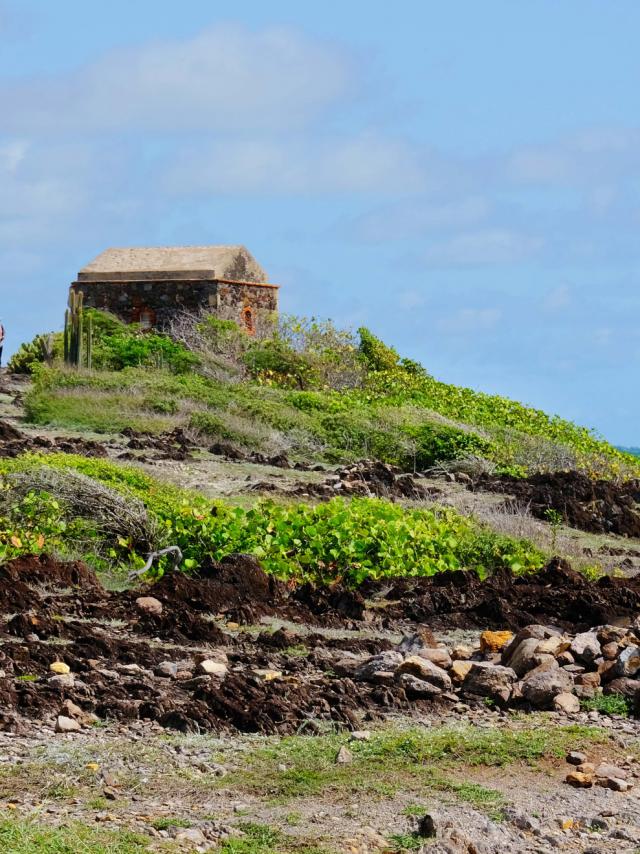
{"type": "Point", "coordinates": [461, 177]}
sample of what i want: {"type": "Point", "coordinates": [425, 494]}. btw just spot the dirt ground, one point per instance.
{"type": "Point", "coordinates": [289, 752]}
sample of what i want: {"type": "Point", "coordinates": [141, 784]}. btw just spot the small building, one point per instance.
{"type": "Point", "coordinates": [149, 285]}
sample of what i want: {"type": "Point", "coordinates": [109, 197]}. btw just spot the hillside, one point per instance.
{"type": "Point", "coordinates": [246, 581]}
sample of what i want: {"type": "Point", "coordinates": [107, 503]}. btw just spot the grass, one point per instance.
{"type": "Point", "coordinates": [608, 704]}
{"type": "Point", "coordinates": [402, 759]}
{"type": "Point", "coordinates": [26, 837]}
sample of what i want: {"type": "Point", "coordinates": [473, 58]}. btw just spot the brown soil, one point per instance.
{"type": "Point", "coordinates": [597, 506]}
{"type": "Point", "coordinates": [13, 443]}
{"type": "Point", "coordinates": [51, 611]}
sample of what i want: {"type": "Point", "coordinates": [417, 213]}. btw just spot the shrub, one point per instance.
{"type": "Point", "coordinates": [42, 350]}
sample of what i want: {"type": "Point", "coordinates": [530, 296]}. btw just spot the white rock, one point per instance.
{"type": "Point", "coordinates": [212, 668]}
{"type": "Point", "coordinates": [65, 724]}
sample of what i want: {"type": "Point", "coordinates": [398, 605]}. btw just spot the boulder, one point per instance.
{"type": "Point", "coordinates": [567, 703]}
{"type": "Point", "coordinates": [65, 724]}
{"type": "Point", "coordinates": [586, 647]}
{"type": "Point", "coordinates": [541, 688]}
{"type": "Point", "coordinates": [59, 668]}
{"type": "Point", "coordinates": [522, 658]}
{"type": "Point", "coordinates": [605, 769]}
{"type": "Point", "coordinates": [610, 651]}
{"type": "Point", "coordinates": [532, 631]}
{"type": "Point", "coordinates": [380, 668]}
{"type": "Point", "coordinates": [416, 688]}
{"type": "Point", "coordinates": [425, 669]}
{"type": "Point", "coordinates": [576, 757]}
{"type": "Point", "coordinates": [437, 656]}
{"type": "Point", "coordinates": [628, 661]}
{"type": "Point", "coordinates": [622, 685]}
{"type": "Point", "coordinates": [579, 780]}
{"type": "Point", "coordinates": [489, 680]}
{"type": "Point", "coordinates": [209, 667]}
{"type": "Point", "coordinates": [494, 641]}
{"type": "Point", "coordinates": [461, 652]}
{"type": "Point", "coordinates": [149, 605]}
{"type": "Point", "coordinates": [553, 646]}
{"type": "Point", "coordinates": [459, 670]}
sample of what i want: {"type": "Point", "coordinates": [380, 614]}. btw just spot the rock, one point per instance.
{"type": "Point", "coordinates": [628, 661]}
{"type": "Point", "coordinates": [267, 674]}
{"type": "Point", "coordinates": [59, 668]}
{"type": "Point", "coordinates": [533, 631]}
{"type": "Point", "coordinates": [380, 668]}
{"type": "Point", "coordinates": [489, 680]}
{"type": "Point", "coordinates": [459, 670]}
{"type": "Point", "coordinates": [461, 652]}
{"type": "Point", "coordinates": [413, 644]}
{"type": "Point", "coordinates": [494, 641]}
{"type": "Point", "coordinates": [70, 710]}
{"type": "Point", "coordinates": [149, 605]}
{"type": "Point", "coordinates": [591, 679]}
{"type": "Point", "coordinates": [427, 827]}
{"type": "Point", "coordinates": [360, 735]}
{"type": "Point", "coordinates": [610, 651]}
{"type": "Point", "coordinates": [565, 658]}
{"type": "Point", "coordinates": [581, 781]}
{"type": "Point", "coordinates": [555, 646]}
{"type": "Point", "coordinates": [586, 647]}
{"type": "Point", "coordinates": [610, 634]}
{"type": "Point", "coordinates": [618, 784]}
{"type": "Point", "coordinates": [166, 669]}
{"type": "Point", "coordinates": [344, 756]}
{"type": "Point", "coordinates": [567, 703]}
{"type": "Point", "coordinates": [575, 757]}
{"type": "Point", "coordinates": [604, 769]}
{"type": "Point", "coordinates": [417, 688]}
{"type": "Point", "coordinates": [64, 680]}
{"type": "Point", "coordinates": [190, 835]}
{"type": "Point", "coordinates": [586, 768]}
{"type": "Point", "coordinates": [425, 669]}
{"type": "Point", "coordinates": [440, 657]}
{"type": "Point", "coordinates": [212, 668]}
{"type": "Point", "coordinates": [522, 658]}
{"type": "Point", "coordinates": [628, 687]}
{"type": "Point", "coordinates": [65, 724]}
{"type": "Point", "coordinates": [541, 688]}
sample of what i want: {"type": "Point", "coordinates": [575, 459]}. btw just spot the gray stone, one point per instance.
{"type": "Point", "coordinates": [344, 756]}
{"type": "Point", "coordinates": [575, 757]}
{"type": "Point", "coordinates": [629, 687]}
{"type": "Point", "coordinates": [385, 663]}
{"type": "Point", "coordinates": [604, 769]}
{"type": "Point", "coordinates": [63, 680]}
{"type": "Point", "coordinates": [489, 680]}
{"type": "Point", "coordinates": [425, 669]}
{"type": "Point", "coordinates": [628, 661]}
{"type": "Point", "coordinates": [523, 657]}
{"type": "Point", "coordinates": [567, 703]}
{"type": "Point", "coordinates": [168, 669]}
{"type": "Point", "coordinates": [212, 668]}
{"type": "Point", "coordinates": [417, 688]}
{"type": "Point", "coordinates": [586, 647]}
{"type": "Point", "coordinates": [541, 688]}
{"type": "Point", "coordinates": [65, 724]}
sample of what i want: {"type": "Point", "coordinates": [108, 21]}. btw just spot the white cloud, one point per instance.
{"type": "Point", "coordinates": [470, 320]}
{"type": "Point", "coordinates": [418, 218]}
{"type": "Point", "coordinates": [355, 164]}
{"type": "Point", "coordinates": [226, 78]}
{"type": "Point", "coordinates": [487, 246]}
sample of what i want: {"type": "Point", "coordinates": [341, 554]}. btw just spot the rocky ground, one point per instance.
{"type": "Point", "coordinates": [227, 712]}
{"type": "Point", "coordinates": [194, 711]}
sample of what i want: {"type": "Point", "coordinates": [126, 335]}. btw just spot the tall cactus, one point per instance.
{"type": "Point", "coordinates": [76, 353]}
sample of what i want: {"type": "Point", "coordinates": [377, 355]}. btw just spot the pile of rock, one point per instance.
{"type": "Point", "coordinates": [371, 478]}
{"type": "Point", "coordinates": [539, 667]}
{"type": "Point", "coordinates": [584, 773]}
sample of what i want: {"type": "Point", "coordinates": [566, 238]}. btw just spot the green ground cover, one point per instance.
{"type": "Point", "coordinates": [53, 502]}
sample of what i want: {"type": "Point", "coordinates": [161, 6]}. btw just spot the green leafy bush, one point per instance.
{"type": "Point", "coordinates": [350, 541]}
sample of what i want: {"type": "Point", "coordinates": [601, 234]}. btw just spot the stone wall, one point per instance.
{"type": "Point", "coordinates": [153, 303]}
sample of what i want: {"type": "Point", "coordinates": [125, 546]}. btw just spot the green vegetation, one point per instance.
{"type": "Point", "coordinates": [26, 837]}
{"type": "Point", "coordinates": [609, 704]}
{"type": "Point", "coordinates": [307, 388]}
{"type": "Point", "coordinates": [415, 760]}
{"type": "Point", "coordinates": [363, 538]}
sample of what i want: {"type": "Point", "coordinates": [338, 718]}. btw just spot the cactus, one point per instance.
{"type": "Point", "coordinates": [75, 350]}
